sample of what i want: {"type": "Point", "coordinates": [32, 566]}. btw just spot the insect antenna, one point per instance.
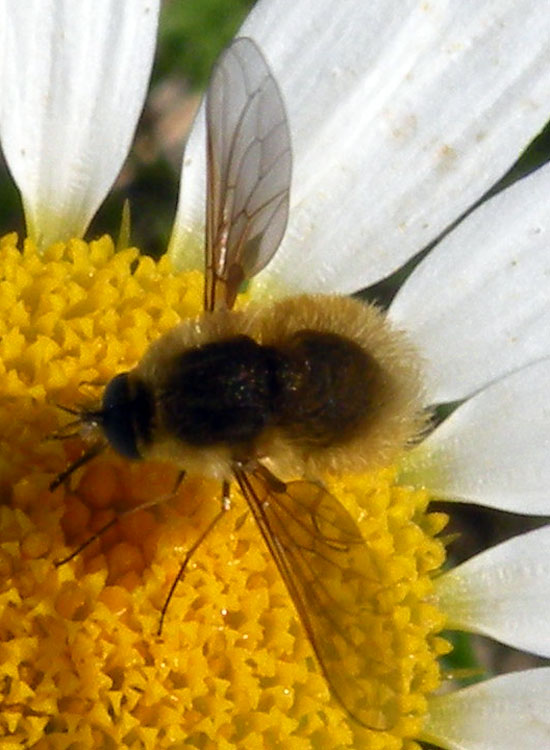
{"type": "Point", "coordinates": [71, 429]}
{"type": "Point", "coordinates": [69, 410]}
{"type": "Point", "coordinates": [65, 435]}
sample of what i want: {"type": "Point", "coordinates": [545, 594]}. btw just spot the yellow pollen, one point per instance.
{"type": "Point", "coordinates": [81, 665]}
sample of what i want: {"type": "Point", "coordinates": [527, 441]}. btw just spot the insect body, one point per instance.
{"type": "Point", "coordinates": [260, 396]}
{"type": "Point", "coordinates": [237, 393]}
{"type": "Point", "coordinates": [292, 385]}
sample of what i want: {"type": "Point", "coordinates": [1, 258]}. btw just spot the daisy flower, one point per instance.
{"type": "Point", "coordinates": [402, 115]}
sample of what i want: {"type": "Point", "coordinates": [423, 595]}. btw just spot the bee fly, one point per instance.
{"type": "Point", "coordinates": [305, 385]}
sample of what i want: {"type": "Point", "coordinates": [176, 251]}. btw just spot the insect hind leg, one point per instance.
{"type": "Point", "coordinates": [225, 506]}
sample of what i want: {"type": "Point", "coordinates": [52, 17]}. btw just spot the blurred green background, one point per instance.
{"type": "Point", "coordinates": [192, 33]}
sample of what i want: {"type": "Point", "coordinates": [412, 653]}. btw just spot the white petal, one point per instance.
{"type": "Point", "coordinates": [493, 450]}
{"type": "Point", "coordinates": [478, 306]}
{"type": "Point", "coordinates": [504, 593]}
{"type": "Point", "coordinates": [74, 77]}
{"type": "Point", "coordinates": [402, 114]}
{"type": "Point", "coordinates": [506, 713]}
{"type": "Point", "coordinates": [186, 245]}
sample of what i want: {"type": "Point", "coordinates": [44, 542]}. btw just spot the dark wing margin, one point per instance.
{"type": "Point", "coordinates": [249, 165]}
{"type": "Point", "coordinates": [331, 578]}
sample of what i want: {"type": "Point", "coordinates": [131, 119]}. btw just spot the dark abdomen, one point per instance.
{"type": "Point", "coordinates": [325, 389]}
{"type": "Point", "coordinates": [314, 386]}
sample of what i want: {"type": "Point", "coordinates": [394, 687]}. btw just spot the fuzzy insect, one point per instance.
{"type": "Point", "coordinates": [304, 385]}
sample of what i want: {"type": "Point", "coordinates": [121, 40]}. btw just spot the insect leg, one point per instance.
{"type": "Point", "coordinates": [92, 452]}
{"type": "Point", "coordinates": [225, 505]}
{"type": "Point", "coordinates": [179, 480]}
{"type": "Point", "coordinates": [86, 543]}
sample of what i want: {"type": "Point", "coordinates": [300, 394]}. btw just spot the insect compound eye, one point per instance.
{"type": "Point", "coordinates": [125, 415]}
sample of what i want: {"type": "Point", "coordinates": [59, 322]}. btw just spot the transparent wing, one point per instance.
{"type": "Point", "coordinates": [249, 167]}
{"type": "Point", "coordinates": [330, 576]}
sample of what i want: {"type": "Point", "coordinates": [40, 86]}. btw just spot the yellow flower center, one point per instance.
{"type": "Point", "coordinates": [81, 664]}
